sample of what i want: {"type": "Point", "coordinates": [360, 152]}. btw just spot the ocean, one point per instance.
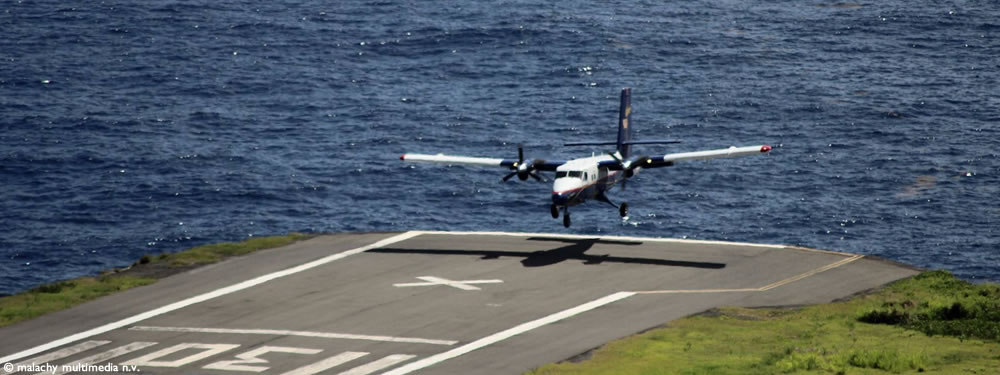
{"type": "Point", "coordinates": [133, 128]}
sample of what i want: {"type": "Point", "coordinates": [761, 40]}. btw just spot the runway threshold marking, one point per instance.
{"type": "Point", "coordinates": [458, 284]}
{"type": "Point", "coordinates": [204, 297]}
{"type": "Point", "coordinates": [278, 332]}
{"type": "Point", "coordinates": [508, 333]}
{"type": "Point", "coordinates": [339, 359]}
{"type": "Point", "coordinates": [380, 364]}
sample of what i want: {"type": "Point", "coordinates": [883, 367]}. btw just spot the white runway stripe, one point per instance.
{"type": "Point", "coordinates": [385, 362]}
{"type": "Point", "coordinates": [503, 335]}
{"type": "Point", "coordinates": [327, 364]}
{"type": "Point", "coordinates": [278, 332]}
{"type": "Point", "coordinates": [203, 297]}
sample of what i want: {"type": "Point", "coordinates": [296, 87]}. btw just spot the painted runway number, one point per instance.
{"type": "Point", "coordinates": [251, 358]}
{"type": "Point", "coordinates": [207, 350]}
{"type": "Point", "coordinates": [184, 354]}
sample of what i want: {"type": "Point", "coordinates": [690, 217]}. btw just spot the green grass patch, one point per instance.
{"type": "Point", "coordinates": [216, 252]}
{"type": "Point", "coordinates": [936, 303]}
{"type": "Point", "coordinates": [932, 323]}
{"type": "Point", "coordinates": [62, 295]}
{"type": "Point", "coordinates": [65, 294]}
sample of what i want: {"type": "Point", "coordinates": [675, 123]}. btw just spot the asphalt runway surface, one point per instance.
{"type": "Point", "coordinates": [424, 303]}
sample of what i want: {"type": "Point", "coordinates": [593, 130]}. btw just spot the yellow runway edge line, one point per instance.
{"type": "Point", "coordinates": [761, 289]}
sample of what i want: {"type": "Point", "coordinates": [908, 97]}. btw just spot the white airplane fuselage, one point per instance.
{"type": "Point", "coordinates": [580, 180]}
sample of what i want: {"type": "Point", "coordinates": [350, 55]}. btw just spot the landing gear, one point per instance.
{"type": "Point", "coordinates": [555, 211]}
{"type": "Point", "coordinates": [622, 210]}
{"type": "Point", "coordinates": [566, 221]}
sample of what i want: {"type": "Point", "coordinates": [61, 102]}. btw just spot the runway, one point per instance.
{"type": "Point", "coordinates": [427, 303]}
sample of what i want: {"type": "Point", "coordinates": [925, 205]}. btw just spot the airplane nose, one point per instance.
{"type": "Point", "coordinates": [560, 199]}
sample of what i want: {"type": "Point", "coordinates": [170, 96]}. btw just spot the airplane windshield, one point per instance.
{"type": "Point", "coordinates": [561, 174]}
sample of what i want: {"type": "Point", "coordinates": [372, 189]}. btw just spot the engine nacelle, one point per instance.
{"type": "Point", "coordinates": [524, 169]}
{"type": "Point", "coordinates": [633, 164]}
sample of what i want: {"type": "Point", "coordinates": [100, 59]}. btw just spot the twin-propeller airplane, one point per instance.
{"type": "Point", "coordinates": [583, 179]}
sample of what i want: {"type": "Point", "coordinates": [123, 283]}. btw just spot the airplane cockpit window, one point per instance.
{"type": "Point", "coordinates": [561, 174]}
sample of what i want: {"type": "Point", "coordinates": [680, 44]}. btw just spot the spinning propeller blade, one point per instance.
{"type": "Point", "coordinates": [524, 170]}
{"type": "Point", "coordinates": [629, 165]}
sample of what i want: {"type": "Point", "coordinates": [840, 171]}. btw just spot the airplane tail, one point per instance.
{"type": "Point", "coordinates": [625, 142]}
{"type": "Point", "coordinates": [623, 146]}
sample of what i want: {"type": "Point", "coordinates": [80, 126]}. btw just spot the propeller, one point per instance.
{"type": "Point", "coordinates": [524, 169]}
{"type": "Point", "coordinates": [629, 165]}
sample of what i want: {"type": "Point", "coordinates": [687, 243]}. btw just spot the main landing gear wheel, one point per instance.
{"type": "Point", "coordinates": [566, 219]}
{"type": "Point", "coordinates": [555, 211]}
{"type": "Point", "coordinates": [623, 210]}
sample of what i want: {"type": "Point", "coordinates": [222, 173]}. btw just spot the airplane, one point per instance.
{"type": "Point", "coordinates": [590, 178]}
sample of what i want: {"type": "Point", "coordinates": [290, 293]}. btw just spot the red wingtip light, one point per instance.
{"type": "Point", "coordinates": [765, 148]}
{"type": "Point", "coordinates": [402, 157]}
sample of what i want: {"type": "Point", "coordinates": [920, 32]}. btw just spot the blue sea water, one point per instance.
{"type": "Point", "coordinates": [135, 127]}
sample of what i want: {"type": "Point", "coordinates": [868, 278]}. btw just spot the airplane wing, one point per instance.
{"type": "Point", "coordinates": [730, 152]}
{"type": "Point", "coordinates": [542, 165]}
{"type": "Point", "coordinates": [669, 159]}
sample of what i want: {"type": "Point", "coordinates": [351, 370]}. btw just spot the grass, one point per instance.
{"type": "Point", "coordinates": [216, 252]}
{"type": "Point", "coordinates": [932, 323]}
{"type": "Point", "coordinates": [65, 294]}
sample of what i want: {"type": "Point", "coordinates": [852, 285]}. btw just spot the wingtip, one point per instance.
{"type": "Point", "coordinates": [765, 148]}
{"type": "Point", "coordinates": [402, 157]}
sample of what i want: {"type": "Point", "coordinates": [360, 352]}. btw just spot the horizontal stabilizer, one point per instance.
{"type": "Point", "coordinates": [653, 142]}
{"type": "Point", "coordinates": [650, 142]}
{"type": "Point", "coordinates": [591, 144]}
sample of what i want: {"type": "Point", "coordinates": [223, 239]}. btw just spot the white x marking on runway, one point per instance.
{"type": "Point", "coordinates": [460, 284]}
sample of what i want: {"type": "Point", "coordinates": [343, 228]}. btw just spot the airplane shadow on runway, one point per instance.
{"type": "Point", "coordinates": [574, 250]}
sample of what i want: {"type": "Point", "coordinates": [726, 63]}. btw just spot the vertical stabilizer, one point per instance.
{"type": "Point", "coordinates": [624, 133]}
